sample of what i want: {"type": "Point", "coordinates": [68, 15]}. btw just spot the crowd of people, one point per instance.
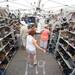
{"type": "Point", "coordinates": [29, 43]}
{"type": "Point", "coordinates": [32, 44]}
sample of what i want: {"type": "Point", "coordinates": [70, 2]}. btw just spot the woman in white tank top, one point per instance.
{"type": "Point", "coordinates": [31, 45]}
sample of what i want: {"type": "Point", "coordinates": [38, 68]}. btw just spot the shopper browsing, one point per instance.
{"type": "Point", "coordinates": [23, 32]}
{"type": "Point", "coordinates": [44, 37]}
{"type": "Point", "coordinates": [31, 45]}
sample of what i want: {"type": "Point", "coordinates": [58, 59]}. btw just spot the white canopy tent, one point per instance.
{"type": "Point", "coordinates": [47, 5]}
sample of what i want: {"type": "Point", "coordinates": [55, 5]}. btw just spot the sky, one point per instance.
{"type": "Point", "coordinates": [45, 4]}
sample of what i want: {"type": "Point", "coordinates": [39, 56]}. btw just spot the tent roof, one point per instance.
{"type": "Point", "coordinates": [44, 5]}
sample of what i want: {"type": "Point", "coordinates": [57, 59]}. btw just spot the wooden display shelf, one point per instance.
{"type": "Point", "coordinates": [4, 26]}
{"type": "Point", "coordinates": [66, 51]}
{"type": "Point", "coordinates": [60, 65]}
{"type": "Point", "coordinates": [68, 43]}
{"type": "Point", "coordinates": [6, 54]}
{"type": "Point", "coordinates": [67, 63]}
{"type": "Point", "coordinates": [68, 31]}
{"type": "Point", "coordinates": [10, 61]}
{"type": "Point", "coordinates": [4, 46]}
{"type": "Point", "coordinates": [6, 36]}
{"type": "Point", "coordinates": [9, 51]}
{"type": "Point", "coordinates": [72, 32]}
{"type": "Point", "coordinates": [2, 60]}
{"type": "Point", "coordinates": [3, 66]}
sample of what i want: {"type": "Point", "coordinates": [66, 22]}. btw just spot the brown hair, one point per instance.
{"type": "Point", "coordinates": [32, 32]}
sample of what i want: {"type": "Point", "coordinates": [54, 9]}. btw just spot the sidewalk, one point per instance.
{"type": "Point", "coordinates": [47, 65]}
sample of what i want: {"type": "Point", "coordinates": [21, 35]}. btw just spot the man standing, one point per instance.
{"type": "Point", "coordinates": [23, 34]}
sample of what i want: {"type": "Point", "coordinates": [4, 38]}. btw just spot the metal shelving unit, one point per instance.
{"type": "Point", "coordinates": [7, 48]}
{"type": "Point", "coordinates": [65, 52]}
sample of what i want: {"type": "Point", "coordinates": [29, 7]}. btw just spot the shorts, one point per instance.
{"type": "Point", "coordinates": [31, 52]}
{"type": "Point", "coordinates": [43, 44]}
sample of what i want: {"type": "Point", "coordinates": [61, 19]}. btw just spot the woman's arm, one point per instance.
{"type": "Point", "coordinates": [37, 46]}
